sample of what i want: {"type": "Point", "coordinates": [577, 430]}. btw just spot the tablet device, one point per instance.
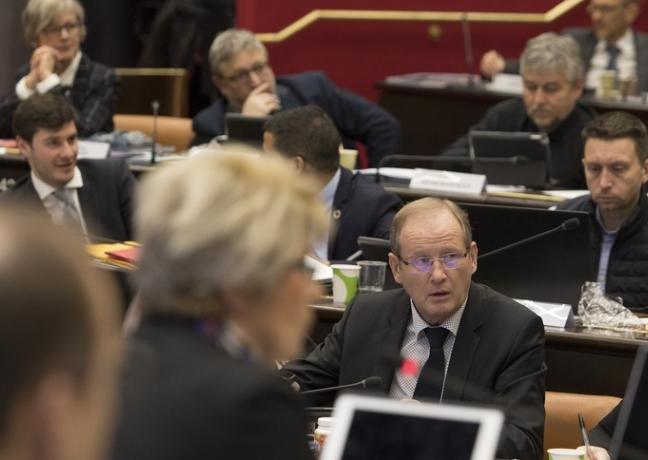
{"type": "Point", "coordinates": [376, 428]}
{"type": "Point", "coordinates": [511, 158]}
{"type": "Point", "coordinates": [245, 129]}
{"type": "Point", "coordinates": [629, 441]}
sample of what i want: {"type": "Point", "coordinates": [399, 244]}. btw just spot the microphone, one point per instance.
{"type": "Point", "coordinates": [468, 51]}
{"type": "Point", "coordinates": [155, 105]}
{"type": "Point", "coordinates": [569, 224]}
{"type": "Point", "coordinates": [369, 383]}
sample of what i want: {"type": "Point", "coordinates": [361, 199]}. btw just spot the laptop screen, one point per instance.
{"type": "Point", "coordinates": [378, 428]}
{"type": "Point", "coordinates": [629, 441]}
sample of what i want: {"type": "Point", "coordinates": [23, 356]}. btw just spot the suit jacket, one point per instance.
{"type": "Point", "coordinates": [356, 118]}
{"type": "Point", "coordinates": [106, 197]}
{"type": "Point", "coordinates": [93, 94]}
{"type": "Point", "coordinates": [498, 359]}
{"type": "Point", "coordinates": [587, 40]}
{"type": "Point", "coordinates": [184, 397]}
{"type": "Point", "coordinates": [360, 208]}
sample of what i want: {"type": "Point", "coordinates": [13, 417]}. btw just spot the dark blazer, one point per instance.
{"type": "Point", "coordinates": [602, 433]}
{"type": "Point", "coordinates": [93, 94]}
{"type": "Point", "coordinates": [499, 348]}
{"type": "Point", "coordinates": [360, 208]}
{"type": "Point", "coordinates": [587, 40]}
{"type": "Point", "coordinates": [357, 119]}
{"type": "Point", "coordinates": [184, 397]}
{"type": "Point", "coordinates": [106, 197]}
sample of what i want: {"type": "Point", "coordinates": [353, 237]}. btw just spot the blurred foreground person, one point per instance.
{"type": "Point", "coordinates": [223, 294]}
{"type": "Point", "coordinates": [59, 345]}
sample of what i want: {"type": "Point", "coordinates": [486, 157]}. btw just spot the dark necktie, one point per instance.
{"type": "Point", "coordinates": [71, 217]}
{"type": "Point", "coordinates": [613, 53]}
{"type": "Point", "coordinates": [430, 381]}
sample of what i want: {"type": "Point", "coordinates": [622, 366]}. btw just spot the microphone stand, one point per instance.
{"type": "Point", "coordinates": [468, 51]}
{"type": "Point", "coordinates": [155, 105]}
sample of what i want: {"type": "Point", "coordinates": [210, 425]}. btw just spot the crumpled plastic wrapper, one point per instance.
{"type": "Point", "coordinates": [595, 309]}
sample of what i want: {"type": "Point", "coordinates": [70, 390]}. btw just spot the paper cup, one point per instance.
{"type": "Point", "coordinates": [348, 158]}
{"type": "Point", "coordinates": [345, 282]}
{"type": "Point", "coordinates": [566, 454]}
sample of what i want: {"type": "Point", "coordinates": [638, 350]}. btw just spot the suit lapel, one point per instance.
{"type": "Point", "coordinates": [387, 342]}
{"type": "Point", "coordinates": [340, 201]}
{"type": "Point", "coordinates": [641, 58]}
{"type": "Point", "coordinates": [465, 345]}
{"type": "Point", "coordinates": [587, 49]}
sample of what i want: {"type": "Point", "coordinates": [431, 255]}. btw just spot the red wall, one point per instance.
{"type": "Point", "coordinates": [356, 54]}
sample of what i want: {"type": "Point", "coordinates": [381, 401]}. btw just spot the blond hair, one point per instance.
{"type": "Point", "coordinates": [222, 223]}
{"type": "Point", "coordinates": [40, 14]}
{"type": "Point", "coordinates": [428, 205]}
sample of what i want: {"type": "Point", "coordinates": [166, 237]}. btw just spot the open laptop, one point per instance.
{"type": "Point", "coordinates": [515, 158]}
{"type": "Point", "coordinates": [629, 441]}
{"type": "Point", "coordinates": [245, 129]}
{"type": "Point", "coordinates": [378, 428]}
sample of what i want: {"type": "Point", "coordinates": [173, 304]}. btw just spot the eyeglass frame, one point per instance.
{"type": "Point", "coordinates": [69, 28]}
{"type": "Point", "coordinates": [431, 261]}
{"type": "Point", "coordinates": [243, 76]}
{"type": "Point", "coordinates": [604, 9]}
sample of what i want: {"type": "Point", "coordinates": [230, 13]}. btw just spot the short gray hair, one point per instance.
{"type": "Point", "coordinates": [550, 51]}
{"type": "Point", "coordinates": [40, 14]}
{"type": "Point", "coordinates": [229, 43]}
{"type": "Point", "coordinates": [217, 224]}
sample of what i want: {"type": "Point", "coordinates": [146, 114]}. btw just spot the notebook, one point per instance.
{"type": "Point", "coordinates": [378, 428]}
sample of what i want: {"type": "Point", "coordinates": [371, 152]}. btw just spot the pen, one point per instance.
{"type": "Point", "coordinates": [583, 430]}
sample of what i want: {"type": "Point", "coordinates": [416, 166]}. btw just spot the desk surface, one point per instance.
{"type": "Point", "coordinates": [579, 360]}
{"type": "Point", "coordinates": [423, 111]}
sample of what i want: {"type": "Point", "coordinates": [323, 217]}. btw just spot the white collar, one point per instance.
{"type": "Point", "coordinates": [451, 323]}
{"type": "Point", "coordinates": [625, 43]}
{"type": "Point", "coordinates": [67, 76]}
{"type": "Point", "coordinates": [43, 189]}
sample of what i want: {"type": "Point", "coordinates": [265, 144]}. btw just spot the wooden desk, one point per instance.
{"type": "Point", "coordinates": [432, 118]}
{"type": "Point", "coordinates": [579, 360]}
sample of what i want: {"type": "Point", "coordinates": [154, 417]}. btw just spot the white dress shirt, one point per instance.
{"type": "Point", "coordinates": [327, 195]}
{"type": "Point", "coordinates": [626, 61]}
{"type": "Point", "coordinates": [53, 205]}
{"type": "Point", "coordinates": [416, 347]}
{"type": "Point", "coordinates": [65, 79]}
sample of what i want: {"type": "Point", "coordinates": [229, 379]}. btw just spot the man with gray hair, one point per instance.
{"type": "Point", "coordinates": [610, 44]}
{"type": "Point", "coordinates": [241, 71]}
{"type": "Point", "coordinates": [552, 74]}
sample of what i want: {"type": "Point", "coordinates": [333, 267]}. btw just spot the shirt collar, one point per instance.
{"type": "Point", "coordinates": [44, 189]}
{"type": "Point", "coordinates": [327, 194]}
{"type": "Point", "coordinates": [451, 323]}
{"type": "Point", "coordinates": [625, 43]}
{"type": "Point", "coordinates": [67, 76]}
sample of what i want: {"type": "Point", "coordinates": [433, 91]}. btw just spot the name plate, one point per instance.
{"type": "Point", "coordinates": [449, 182]}
{"type": "Point", "coordinates": [552, 314]}
{"type": "Point", "coordinates": [92, 150]}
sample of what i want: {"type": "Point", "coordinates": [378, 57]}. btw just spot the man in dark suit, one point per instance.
{"type": "Point", "coordinates": [467, 342]}
{"type": "Point", "coordinates": [553, 82]}
{"type": "Point", "coordinates": [56, 30]}
{"type": "Point", "coordinates": [359, 207]}
{"type": "Point", "coordinates": [240, 69]}
{"type": "Point", "coordinates": [610, 44]}
{"type": "Point", "coordinates": [92, 196]}
{"type": "Point", "coordinates": [616, 169]}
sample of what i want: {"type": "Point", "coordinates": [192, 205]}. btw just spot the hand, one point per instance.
{"type": "Point", "coordinates": [596, 453]}
{"type": "Point", "coordinates": [260, 102]}
{"type": "Point", "coordinates": [42, 64]}
{"type": "Point", "coordinates": [491, 63]}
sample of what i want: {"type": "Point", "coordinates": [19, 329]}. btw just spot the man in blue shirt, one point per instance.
{"type": "Point", "coordinates": [616, 169]}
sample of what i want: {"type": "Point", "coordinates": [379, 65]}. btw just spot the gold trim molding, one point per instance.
{"type": "Point", "coordinates": [418, 16]}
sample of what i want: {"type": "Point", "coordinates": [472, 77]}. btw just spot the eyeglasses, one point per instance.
{"type": "Point", "coordinates": [424, 264]}
{"type": "Point", "coordinates": [68, 28]}
{"type": "Point", "coordinates": [243, 76]}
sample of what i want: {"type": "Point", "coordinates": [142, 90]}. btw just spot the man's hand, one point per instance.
{"type": "Point", "coordinates": [260, 102]}
{"type": "Point", "coordinates": [491, 63]}
{"type": "Point", "coordinates": [42, 64]}
{"type": "Point", "coordinates": [596, 453]}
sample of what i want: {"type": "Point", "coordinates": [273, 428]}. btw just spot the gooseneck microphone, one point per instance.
{"type": "Point", "coordinates": [370, 382]}
{"type": "Point", "coordinates": [569, 224]}
{"type": "Point", "coordinates": [155, 105]}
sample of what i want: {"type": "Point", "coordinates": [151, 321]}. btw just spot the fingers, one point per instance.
{"type": "Point", "coordinates": [491, 63]}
